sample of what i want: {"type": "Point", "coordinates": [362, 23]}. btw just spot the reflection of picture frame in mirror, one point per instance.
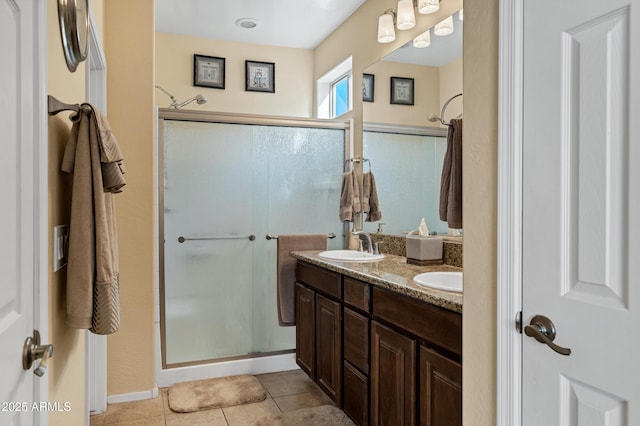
{"type": "Point", "coordinates": [208, 71]}
{"type": "Point", "coordinates": [260, 76]}
{"type": "Point", "coordinates": [368, 86]}
{"type": "Point", "coordinates": [402, 90]}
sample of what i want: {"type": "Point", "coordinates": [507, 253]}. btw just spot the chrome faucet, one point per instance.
{"type": "Point", "coordinates": [371, 247]}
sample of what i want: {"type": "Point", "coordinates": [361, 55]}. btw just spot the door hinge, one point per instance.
{"type": "Point", "coordinates": [519, 322]}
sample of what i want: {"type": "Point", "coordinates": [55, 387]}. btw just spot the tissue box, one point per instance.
{"type": "Point", "coordinates": [424, 250]}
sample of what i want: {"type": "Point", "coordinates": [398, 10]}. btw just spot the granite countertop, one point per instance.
{"type": "Point", "coordinates": [393, 273]}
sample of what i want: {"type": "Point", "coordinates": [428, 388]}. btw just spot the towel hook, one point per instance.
{"type": "Point", "coordinates": [55, 106]}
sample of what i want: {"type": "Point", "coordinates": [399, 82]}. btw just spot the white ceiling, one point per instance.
{"type": "Point", "coordinates": [286, 23]}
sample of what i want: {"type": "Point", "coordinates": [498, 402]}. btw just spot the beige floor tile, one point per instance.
{"type": "Point", "coordinates": [287, 383]}
{"type": "Point", "coordinates": [302, 400]}
{"type": "Point", "coordinates": [164, 393]}
{"type": "Point", "coordinates": [151, 421]}
{"type": "Point", "coordinates": [248, 414]}
{"type": "Point", "coordinates": [134, 411]}
{"type": "Point", "coordinates": [199, 418]}
{"type": "Point", "coordinates": [97, 420]}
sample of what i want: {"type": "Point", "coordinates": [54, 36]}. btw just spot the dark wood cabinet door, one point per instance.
{"type": "Point", "coordinates": [329, 347]}
{"type": "Point", "coordinates": [440, 390]}
{"type": "Point", "coordinates": [393, 377]}
{"type": "Point", "coordinates": [356, 395]}
{"type": "Point", "coordinates": [305, 329]}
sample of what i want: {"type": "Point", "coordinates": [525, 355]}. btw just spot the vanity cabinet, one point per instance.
{"type": "Point", "coordinates": [319, 327]}
{"type": "Point", "coordinates": [383, 357]}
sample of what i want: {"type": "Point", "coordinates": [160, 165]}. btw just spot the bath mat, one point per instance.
{"type": "Point", "coordinates": [215, 393]}
{"type": "Point", "coordinates": [324, 415]}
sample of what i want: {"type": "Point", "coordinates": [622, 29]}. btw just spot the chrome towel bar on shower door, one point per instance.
{"type": "Point", "coordinates": [251, 237]}
{"type": "Point", "coordinates": [275, 237]}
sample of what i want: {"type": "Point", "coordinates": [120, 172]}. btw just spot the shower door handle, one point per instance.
{"type": "Point", "coordinates": [251, 237]}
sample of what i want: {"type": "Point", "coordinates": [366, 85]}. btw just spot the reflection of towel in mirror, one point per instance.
{"type": "Point", "coordinates": [370, 202]}
{"type": "Point", "coordinates": [451, 182]}
{"type": "Point", "coordinates": [349, 197]}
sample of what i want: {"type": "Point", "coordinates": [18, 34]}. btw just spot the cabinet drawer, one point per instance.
{"type": "Point", "coordinates": [436, 325]}
{"type": "Point", "coordinates": [356, 395]}
{"type": "Point", "coordinates": [357, 294]}
{"type": "Point", "coordinates": [320, 279]}
{"type": "Point", "coordinates": [356, 339]}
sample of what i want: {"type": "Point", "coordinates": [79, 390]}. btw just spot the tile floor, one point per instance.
{"type": "Point", "coordinates": [286, 391]}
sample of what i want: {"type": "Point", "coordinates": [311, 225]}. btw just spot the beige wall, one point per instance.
{"type": "Point", "coordinates": [293, 76]}
{"type": "Point", "coordinates": [129, 49]}
{"type": "Point", "coordinates": [426, 94]}
{"type": "Point", "coordinates": [480, 164]}
{"type": "Point", "coordinates": [450, 85]}
{"type": "Point", "coordinates": [433, 86]}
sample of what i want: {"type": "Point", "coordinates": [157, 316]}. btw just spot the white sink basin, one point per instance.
{"type": "Point", "coordinates": [449, 281]}
{"type": "Point", "coordinates": [350, 256]}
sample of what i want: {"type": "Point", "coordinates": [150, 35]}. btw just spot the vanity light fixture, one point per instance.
{"type": "Point", "coordinates": [406, 18]}
{"type": "Point", "coordinates": [423, 40]}
{"type": "Point", "coordinates": [426, 7]}
{"type": "Point", "coordinates": [444, 27]}
{"type": "Point", "coordinates": [386, 31]}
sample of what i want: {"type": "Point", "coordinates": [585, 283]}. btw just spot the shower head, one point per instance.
{"type": "Point", "coordinates": [433, 118]}
{"type": "Point", "coordinates": [174, 103]}
{"type": "Point", "coordinates": [198, 98]}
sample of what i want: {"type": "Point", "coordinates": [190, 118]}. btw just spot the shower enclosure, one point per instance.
{"type": "Point", "coordinates": [225, 182]}
{"type": "Point", "coordinates": [407, 163]}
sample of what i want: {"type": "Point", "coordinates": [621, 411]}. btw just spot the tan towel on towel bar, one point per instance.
{"type": "Point", "coordinates": [451, 182]}
{"type": "Point", "coordinates": [286, 271]}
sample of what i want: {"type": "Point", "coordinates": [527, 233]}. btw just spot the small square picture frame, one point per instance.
{"type": "Point", "coordinates": [208, 71]}
{"type": "Point", "coordinates": [260, 76]}
{"type": "Point", "coordinates": [368, 87]}
{"type": "Point", "coordinates": [402, 90]}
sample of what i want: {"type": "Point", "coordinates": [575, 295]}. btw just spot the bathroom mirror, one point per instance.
{"type": "Point", "coordinates": [73, 17]}
{"type": "Point", "coordinates": [406, 149]}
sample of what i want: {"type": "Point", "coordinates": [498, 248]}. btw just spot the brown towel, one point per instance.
{"type": "Point", "coordinates": [286, 271]}
{"type": "Point", "coordinates": [92, 271]}
{"type": "Point", "coordinates": [451, 182]}
{"type": "Point", "coordinates": [372, 203]}
{"type": "Point", "coordinates": [346, 198]}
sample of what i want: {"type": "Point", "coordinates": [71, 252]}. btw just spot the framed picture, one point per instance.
{"type": "Point", "coordinates": [368, 86]}
{"type": "Point", "coordinates": [208, 71]}
{"type": "Point", "coordinates": [260, 77]}
{"type": "Point", "coordinates": [402, 91]}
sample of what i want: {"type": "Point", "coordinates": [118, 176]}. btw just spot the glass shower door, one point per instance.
{"type": "Point", "coordinates": [224, 183]}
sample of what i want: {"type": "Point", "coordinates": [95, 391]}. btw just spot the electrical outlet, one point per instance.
{"type": "Point", "coordinates": [60, 246]}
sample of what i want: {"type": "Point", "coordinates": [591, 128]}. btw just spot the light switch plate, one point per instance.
{"type": "Point", "coordinates": [60, 246]}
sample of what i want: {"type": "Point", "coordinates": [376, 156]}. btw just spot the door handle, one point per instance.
{"type": "Point", "coordinates": [33, 350]}
{"type": "Point", "coordinates": [543, 330]}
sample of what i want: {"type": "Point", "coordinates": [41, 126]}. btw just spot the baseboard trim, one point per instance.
{"type": "Point", "coordinates": [134, 396]}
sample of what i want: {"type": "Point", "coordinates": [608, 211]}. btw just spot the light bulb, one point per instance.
{"type": "Point", "coordinates": [460, 16]}
{"type": "Point", "coordinates": [423, 40]}
{"type": "Point", "coordinates": [406, 19]}
{"type": "Point", "coordinates": [444, 27]}
{"type": "Point", "coordinates": [386, 32]}
{"type": "Point", "coordinates": [426, 7]}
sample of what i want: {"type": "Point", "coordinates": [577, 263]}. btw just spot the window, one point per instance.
{"type": "Point", "coordinates": [340, 99]}
{"type": "Point", "coordinates": [334, 91]}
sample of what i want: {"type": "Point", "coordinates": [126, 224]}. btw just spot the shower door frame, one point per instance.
{"type": "Point", "coordinates": [221, 118]}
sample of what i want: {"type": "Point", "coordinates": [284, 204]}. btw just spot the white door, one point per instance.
{"type": "Point", "coordinates": [20, 212]}
{"type": "Point", "coordinates": [581, 204]}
